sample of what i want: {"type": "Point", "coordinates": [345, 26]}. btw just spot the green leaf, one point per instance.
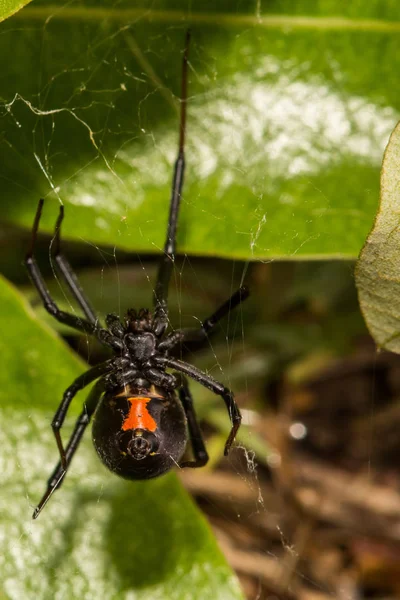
{"type": "Point", "coordinates": [9, 7]}
{"type": "Point", "coordinates": [378, 269]}
{"type": "Point", "coordinates": [288, 117]}
{"type": "Point", "coordinates": [99, 537]}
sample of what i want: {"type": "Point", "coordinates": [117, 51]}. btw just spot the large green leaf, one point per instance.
{"type": "Point", "coordinates": [99, 537]}
{"type": "Point", "coordinates": [291, 105]}
{"type": "Point", "coordinates": [378, 269]}
{"type": "Point", "coordinates": [9, 7]}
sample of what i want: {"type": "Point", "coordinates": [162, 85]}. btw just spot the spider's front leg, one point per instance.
{"type": "Point", "coordinates": [180, 336]}
{"type": "Point", "coordinates": [208, 324]}
{"type": "Point", "coordinates": [160, 298]}
{"type": "Point", "coordinates": [68, 273]}
{"type": "Point", "coordinates": [83, 325]}
{"type": "Point", "coordinates": [213, 385]}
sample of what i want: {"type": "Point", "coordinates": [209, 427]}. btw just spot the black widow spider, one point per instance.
{"type": "Point", "coordinates": [139, 425]}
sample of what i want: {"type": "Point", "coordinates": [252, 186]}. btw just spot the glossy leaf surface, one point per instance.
{"type": "Point", "coordinates": [290, 109]}
{"type": "Point", "coordinates": [99, 537]}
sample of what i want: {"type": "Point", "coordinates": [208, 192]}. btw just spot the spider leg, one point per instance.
{"type": "Point", "coordinates": [57, 477]}
{"type": "Point", "coordinates": [196, 437]}
{"type": "Point", "coordinates": [165, 269]}
{"type": "Point", "coordinates": [213, 385]}
{"type": "Point", "coordinates": [63, 317]}
{"type": "Point", "coordinates": [201, 334]}
{"type": "Point", "coordinates": [208, 325]}
{"type": "Point", "coordinates": [79, 383]}
{"type": "Point", "coordinates": [68, 273]}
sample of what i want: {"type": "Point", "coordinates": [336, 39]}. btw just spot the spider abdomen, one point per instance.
{"type": "Point", "coordinates": [139, 436]}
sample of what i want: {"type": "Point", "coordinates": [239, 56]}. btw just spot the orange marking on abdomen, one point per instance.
{"type": "Point", "coordinates": [139, 416]}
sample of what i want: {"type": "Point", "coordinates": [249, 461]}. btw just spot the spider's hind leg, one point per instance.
{"type": "Point", "coordinates": [213, 385]}
{"type": "Point", "coordinates": [196, 437]}
{"type": "Point", "coordinates": [57, 477]}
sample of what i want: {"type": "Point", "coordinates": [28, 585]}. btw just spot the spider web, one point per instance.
{"type": "Point", "coordinates": [112, 177]}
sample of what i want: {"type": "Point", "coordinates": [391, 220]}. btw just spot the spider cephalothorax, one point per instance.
{"type": "Point", "coordinates": [143, 414]}
{"type": "Point", "coordinates": [138, 321]}
{"type": "Point", "coordinates": [140, 355]}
